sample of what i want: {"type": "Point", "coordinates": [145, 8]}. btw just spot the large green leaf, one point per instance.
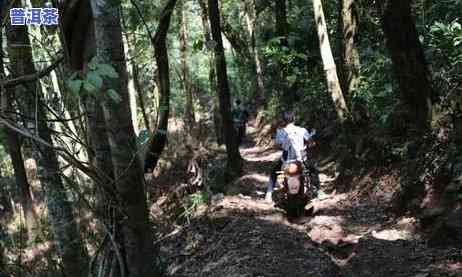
{"type": "Point", "coordinates": [95, 79]}
{"type": "Point", "coordinates": [107, 70]}
{"type": "Point", "coordinates": [89, 87]}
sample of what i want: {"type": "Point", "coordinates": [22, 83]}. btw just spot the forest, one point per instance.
{"type": "Point", "coordinates": [145, 138]}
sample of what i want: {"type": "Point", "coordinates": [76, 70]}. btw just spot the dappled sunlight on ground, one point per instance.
{"type": "Point", "coordinates": [240, 234]}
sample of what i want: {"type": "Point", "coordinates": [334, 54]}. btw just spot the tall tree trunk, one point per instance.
{"type": "Point", "coordinates": [13, 144]}
{"type": "Point", "coordinates": [158, 142]}
{"type": "Point", "coordinates": [64, 226]}
{"type": "Point", "coordinates": [409, 63]}
{"type": "Point", "coordinates": [251, 20]}
{"type": "Point", "coordinates": [189, 109]}
{"type": "Point", "coordinates": [348, 29]}
{"type": "Point", "coordinates": [131, 83]}
{"type": "Point", "coordinates": [217, 122]}
{"type": "Point", "coordinates": [3, 262]}
{"type": "Point", "coordinates": [136, 231]}
{"type": "Point", "coordinates": [140, 95]}
{"type": "Point", "coordinates": [282, 28]}
{"type": "Point", "coordinates": [234, 165]}
{"type": "Point", "coordinates": [333, 84]}
{"type": "Point", "coordinates": [25, 198]}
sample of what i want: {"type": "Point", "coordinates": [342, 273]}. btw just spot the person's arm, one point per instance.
{"type": "Point", "coordinates": [308, 138]}
{"type": "Point", "coordinates": [280, 138]}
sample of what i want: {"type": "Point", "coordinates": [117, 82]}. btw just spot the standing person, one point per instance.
{"type": "Point", "coordinates": [292, 140]}
{"type": "Point", "coordinates": [240, 117]}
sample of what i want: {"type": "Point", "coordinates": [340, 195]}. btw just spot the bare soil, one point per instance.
{"type": "Point", "coordinates": [348, 234]}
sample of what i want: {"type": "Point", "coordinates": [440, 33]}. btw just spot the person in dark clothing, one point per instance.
{"type": "Point", "coordinates": [240, 118]}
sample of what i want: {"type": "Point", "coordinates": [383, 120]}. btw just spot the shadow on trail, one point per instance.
{"type": "Point", "coordinates": [239, 245]}
{"type": "Point", "coordinates": [348, 235]}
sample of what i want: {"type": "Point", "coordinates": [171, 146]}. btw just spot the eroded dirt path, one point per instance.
{"type": "Point", "coordinates": [348, 235]}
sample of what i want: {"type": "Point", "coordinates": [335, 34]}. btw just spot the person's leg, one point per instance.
{"type": "Point", "coordinates": [272, 181]}
{"type": "Point", "coordinates": [241, 134]}
{"type": "Point", "coordinates": [314, 174]}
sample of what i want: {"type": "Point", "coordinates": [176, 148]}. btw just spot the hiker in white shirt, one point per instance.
{"type": "Point", "coordinates": [292, 140]}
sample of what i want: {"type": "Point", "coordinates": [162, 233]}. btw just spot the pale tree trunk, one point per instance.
{"type": "Point", "coordinates": [234, 165]}
{"type": "Point", "coordinates": [189, 109]}
{"type": "Point", "coordinates": [217, 122]}
{"type": "Point", "coordinates": [139, 88]}
{"type": "Point", "coordinates": [140, 253]}
{"type": "Point", "coordinates": [409, 64]}
{"type": "Point", "coordinates": [348, 29]}
{"type": "Point", "coordinates": [251, 20]}
{"type": "Point", "coordinates": [131, 84]}
{"type": "Point", "coordinates": [333, 84]}
{"type": "Point", "coordinates": [70, 245]}
{"type": "Point", "coordinates": [158, 142]}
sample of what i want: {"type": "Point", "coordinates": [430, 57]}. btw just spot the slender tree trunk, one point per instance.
{"type": "Point", "coordinates": [13, 144]}
{"type": "Point", "coordinates": [348, 29]}
{"type": "Point", "coordinates": [64, 226]}
{"type": "Point", "coordinates": [140, 253]}
{"type": "Point", "coordinates": [131, 84]}
{"type": "Point", "coordinates": [158, 142]}
{"type": "Point", "coordinates": [189, 109]}
{"type": "Point", "coordinates": [25, 198]}
{"type": "Point", "coordinates": [139, 91]}
{"type": "Point", "coordinates": [232, 148]}
{"type": "Point", "coordinates": [333, 84]}
{"type": "Point", "coordinates": [409, 65]}
{"type": "Point", "coordinates": [3, 267]}
{"type": "Point", "coordinates": [212, 75]}
{"type": "Point", "coordinates": [251, 20]}
{"type": "Point", "coordinates": [282, 31]}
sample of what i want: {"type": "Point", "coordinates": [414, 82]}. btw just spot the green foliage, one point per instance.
{"type": "Point", "coordinates": [143, 137]}
{"type": "Point", "coordinates": [193, 202]}
{"type": "Point", "coordinates": [92, 81]}
{"type": "Point", "coordinates": [446, 39]}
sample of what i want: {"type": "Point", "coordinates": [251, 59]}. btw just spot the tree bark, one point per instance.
{"type": "Point", "coordinates": [159, 140]}
{"type": "Point", "coordinates": [131, 84]}
{"type": "Point", "coordinates": [189, 117]}
{"type": "Point", "coordinates": [251, 20]}
{"type": "Point", "coordinates": [217, 122]}
{"type": "Point", "coordinates": [25, 197]}
{"type": "Point", "coordinates": [13, 144]}
{"type": "Point", "coordinates": [409, 65]}
{"type": "Point", "coordinates": [140, 254]}
{"type": "Point", "coordinates": [64, 226]}
{"type": "Point", "coordinates": [3, 272]}
{"type": "Point", "coordinates": [140, 96]}
{"type": "Point", "coordinates": [282, 27]}
{"type": "Point", "coordinates": [348, 29]}
{"type": "Point", "coordinates": [333, 84]}
{"type": "Point", "coordinates": [234, 165]}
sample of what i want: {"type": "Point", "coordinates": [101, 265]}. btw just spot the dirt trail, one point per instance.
{"type": "Point", "coordinates": [241, 235]}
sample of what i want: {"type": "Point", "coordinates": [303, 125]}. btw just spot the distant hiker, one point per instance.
{"type": "Point", "coordinates": [292, 140]}
{"type": "Point", "coordinates": [240, 117]}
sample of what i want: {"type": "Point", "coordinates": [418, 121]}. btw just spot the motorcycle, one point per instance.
{"type": "Point", "coordinates": [299, 182]}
